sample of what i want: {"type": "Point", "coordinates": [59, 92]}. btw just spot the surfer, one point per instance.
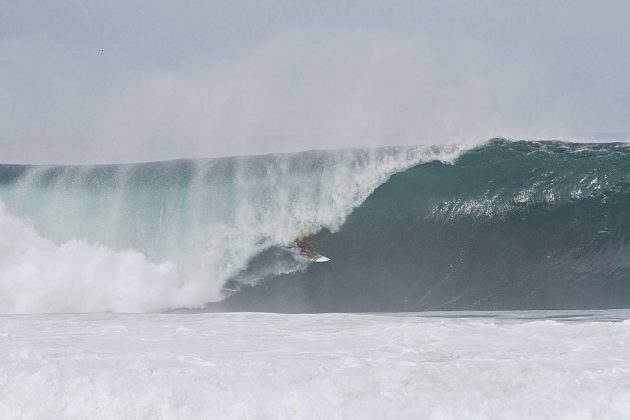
{"type": "Point", "coordinates": [302, 247]}
{"type": "Point", "coordinates": [303, 242]}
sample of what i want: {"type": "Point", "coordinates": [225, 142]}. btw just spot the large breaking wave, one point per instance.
{"type": "Point", "coordinates": [506, 225]}
{"type": "Point", "coordinates": [510, 225]}
{"type": "Point", "coordinates": [154, 236]}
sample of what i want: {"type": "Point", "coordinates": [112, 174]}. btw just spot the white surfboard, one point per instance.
{"type": "Point", "coordinates": [307, 254]}
{"type": "Point", "coordinates": [321, 258]}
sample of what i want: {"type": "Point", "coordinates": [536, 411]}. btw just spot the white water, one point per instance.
{"type": "Point", "coordinates": [38, 276]}
{"type": "Point", "coordinates": [336, 366]}
{"type": "Point", "coordinates": [151, 237]}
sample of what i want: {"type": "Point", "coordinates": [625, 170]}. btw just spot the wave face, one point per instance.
{"type": "Point", "coordinates": [509, 225]}
{"type": "Point", "coordinates": [154, 236]}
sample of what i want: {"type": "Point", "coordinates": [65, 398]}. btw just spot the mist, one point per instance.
{"type": "Point", "coordinates": [88, 82]}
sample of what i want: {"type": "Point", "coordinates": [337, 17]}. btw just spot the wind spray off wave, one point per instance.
{"type": "Point", "coordinates": [153, 236]}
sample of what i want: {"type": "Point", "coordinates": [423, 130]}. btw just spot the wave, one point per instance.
{"type": "Point", "coordinates": [154, 236]}
{"type": "Point", "coordinates": [503, 225]}
{"type": "Point", "coordinates": [509, 225]}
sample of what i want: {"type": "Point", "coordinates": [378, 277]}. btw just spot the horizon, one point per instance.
{"type": "Point", "coordinates": [586, 138]}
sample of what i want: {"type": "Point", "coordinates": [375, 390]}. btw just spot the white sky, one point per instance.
{"type": "Point", "coordinates": [120, 81]}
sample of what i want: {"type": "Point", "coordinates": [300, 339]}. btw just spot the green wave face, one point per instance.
{"type": "Point", "coordinates": [509, 225]}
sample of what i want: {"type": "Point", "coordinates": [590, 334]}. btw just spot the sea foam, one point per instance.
{"type": "Point", "coordinates": [336, 366]}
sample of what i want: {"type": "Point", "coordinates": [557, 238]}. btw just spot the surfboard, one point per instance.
{"type": "Point", "coordinates": [308, 254]}
{"type": "Point", "coordinates": [319, 258]}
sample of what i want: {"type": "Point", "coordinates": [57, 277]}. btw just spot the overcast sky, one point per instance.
{"type": "Point", "coordinates": [120, 81]}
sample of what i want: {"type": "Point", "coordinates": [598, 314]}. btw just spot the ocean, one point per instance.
{"type": "Point", "coordinates": [466, 281]}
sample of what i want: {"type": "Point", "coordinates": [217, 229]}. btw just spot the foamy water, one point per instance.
{"type": "Point", "coordinates": [272, 366]}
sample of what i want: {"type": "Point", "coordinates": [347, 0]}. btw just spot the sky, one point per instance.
{"type": "Point", "coordinates": [126, 81]}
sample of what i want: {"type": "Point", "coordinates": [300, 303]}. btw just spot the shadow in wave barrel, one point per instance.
{"type": "Point", "coordinates": [509, 225]}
